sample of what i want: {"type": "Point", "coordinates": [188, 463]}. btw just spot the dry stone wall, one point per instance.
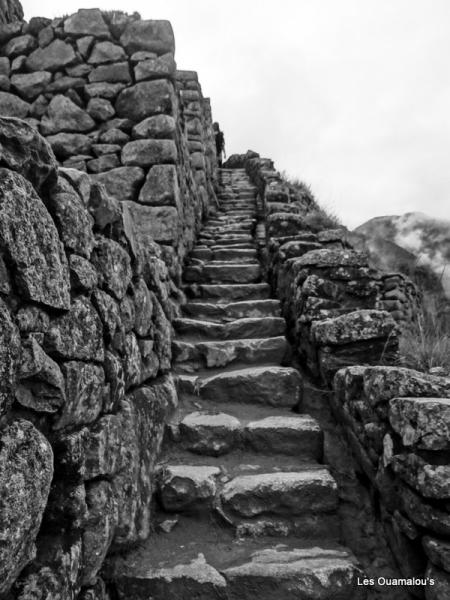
{"type": "Point", "coordinates": [107, 165]}
{"type": "Point", "coordinates": [396, 420]}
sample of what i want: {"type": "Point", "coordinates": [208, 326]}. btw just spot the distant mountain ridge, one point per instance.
{"type": "Point", "coordinates": [406, 242]}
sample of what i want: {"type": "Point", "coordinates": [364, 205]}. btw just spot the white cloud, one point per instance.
{"type": "Point", "coordinates": [351, 95]}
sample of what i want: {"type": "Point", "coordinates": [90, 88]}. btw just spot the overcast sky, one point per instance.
{"type": "Point", "coordinates": [352, 96]}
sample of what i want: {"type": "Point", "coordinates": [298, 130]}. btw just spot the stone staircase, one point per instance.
{"type": "Point", "coordinates": [244, 507]}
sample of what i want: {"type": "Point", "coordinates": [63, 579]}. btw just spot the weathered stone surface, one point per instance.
{"type": "Point", "coordinates": [53, 57]}
{"type": "Point", "coordinates": [104, 208]}
{"type": "Point", "coordinates": [276, 386]}
{"type": "Point", "coordinates": [30, 85]}
{"type": "Point", "coordinates": [106, 52]}
{"type": "Point", "coordinates": [73, 220]}
{"type": "Point", "coordinates": [84, 394]}
{"type": "Point", "coordinates": [11, 106]}
{"type": "Point", "coordinates": [121, 183]}
{"type": "Point", "coordinates": [29, 236]}
{"type": "Point", "coordinates": [156, 127]}
{"type": "Point", "coordinates": [246, 328]}
{"type": "Point", "coordinates": [83, 276]}
{"type": "Point", "coordinates": [156, 68]}
{"type": "Point", "coordinates": [103, 163]}
{"type": "Point", "coordinates": [100, 109]}
{"type": "Point", "coordinates": [153, 36]}
{"type": "Point", "coordinates": [69, 144]}
{"type": "Point", "coordinates": [280, 493]}
{"type": "Point", "coordinates": [196, 579]}
{"type": "Point", "coordinates": [144, 153]}
{"type": "Point", "coordinates": [113, 265]}
{"type": "Point", "coordinates": [22, 44]}
{"type": "Point", "coordinates": [352, 327]}
{"type": "Point", "coordinates": [420, 512]}
{"type": "Point", "coordinates": [432, 481]}
{"type": "Point", "coordinates": [103, 89]}
{"type": "Point", "coordinates": [143, 304]}
{"type": "Point", "coordinates": [77, 335]}
{"type": "Point", "coordinates": [105, 149]}
{"type": "Point", "coordinates": [422, 422]}
{"type": "Point", "coordinates": [295, 574]}
{"type": "Point", "coordinates": [212, 434]}
{"type": "Point", "coordinates": [41, 381]}
{"type": "Point", "coordinates": [26, 470]}
{"type": "Point", "coordinates": [87, 21]}
{"type": "Point", "coordinates": [184, 488]}
{"type": "Point", "coordinates": [145, 99]}
{"type": "Point", "coordinates": [158, 223]}
{"type": "Point", "coordinates": [22, 149]}
{"type": "Point", "coordinates": [99, 530]}
{"type": "Point", "coordinates": [295, 436]}
{"type": "Point", "coordinates": [65, 115]}
{"type": "Point", "coordinates": [161, 187]}
{"type": "Point", "coordinates": [9, 356]}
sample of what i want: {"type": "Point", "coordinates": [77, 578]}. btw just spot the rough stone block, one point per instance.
{"type": "Point", "coordinates": [121, 183]}
{"type": "Point", "coordinates": [156, 127]}
{"type": "Point", "coordinates": [26, 470]}
{"type": "Point", "coordinates": [12, 106]}
{"type": "Point", "coordinates": [156, 68]}
{"type": "Point", "coordinates": [160, 223]}
{"type": "Point", "coordinates": [114, 267]}
{"type": "Point", "coordinates": [145, 99]}
{"type": "Point", "coordinates": [153, 36]}
{"type": "Point", "coordinates": [145, 153]}
{"type": "Point", "coordinates": [87, 21]}
{"type": "Point", "coordinates": [422, 422]}
{"type": "Point", "coordinates": [161, 187]}
{"type": "Point", "coordinates": [30, 85]}
{"type": "Point", "coordinates": [53, 57]}
{"type": "Point", "coordinates": [31, 239]}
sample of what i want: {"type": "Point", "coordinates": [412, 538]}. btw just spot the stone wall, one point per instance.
{"type": "Point", "coordinates": [91, 252]}
{"type": "Point", "coordinates": [396, 420]}
{"type": "Point", "coordinates": [103, 88]}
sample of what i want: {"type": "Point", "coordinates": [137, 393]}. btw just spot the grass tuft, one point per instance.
{"type": "Point", "coordinates": [425, 344]}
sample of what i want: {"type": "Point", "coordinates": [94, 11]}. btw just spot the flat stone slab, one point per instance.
{"type": "Point", "coordinates": [280, 493]}
{"type": "Point", "coordinates": [263, 327]}
{"type": "Point", "coordinates": [233, 310]}
{"type": "Point", "coordinates": [230, 292]}
{"type": "Point", "coordinates": [276, 386]}
{"type": "Point", "coordinates": [209, 434]}
{"type": "Point", "coordinates": [200, 355]}
{"type": "Point", "coordinates": [294, 436]}
{"type": "Point", "coordinates": [299, 574]}
{"type": "Point", "coordinates": [187, 488]}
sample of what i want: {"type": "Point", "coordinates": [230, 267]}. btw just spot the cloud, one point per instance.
{"type": "Point", "coordinates": [350, 95]}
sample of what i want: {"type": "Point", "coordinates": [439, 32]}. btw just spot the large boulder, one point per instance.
{"type": "Point", "coordinates": [145, 99]}
{"type": "Point", "coordinates": [26, 470]}
{"type": "Point", "coordinates": [153, 36]}
{"type": "Point", "coordinates": [31, 242]}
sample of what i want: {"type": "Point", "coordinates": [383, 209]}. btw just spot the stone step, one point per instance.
{"type": "Point", "coordinates": [223, 294]}
{"type": "Point", "coordinates": [272, 385]}
{"type": "Point", "coordinates": [212, 433]}
{"type": "Point", "coordinates": [195, 356]}
{"type": "Point", "coordinates": [203, 561]}
{"type": "Point", "coordinates": [223, 273]}
{"type": "Point", "coordinates": [280, 493]}
{"type": "Point", "coordinates": [223, 313]}
{"type": "Point", "coordinates": [227, 240]}
{"type": "Point", "coordinates": [223, 254]}
{"type": "Point", "coordinates": [264, 327]}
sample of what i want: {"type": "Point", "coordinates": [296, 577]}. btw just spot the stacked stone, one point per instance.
{"type": "Point", "coordinates": [101, 88]}
{"type": "Point", "coordinates": [85, 358]}
{"type": "Point", "coordinates": [398, 423]}
{"type": "Point", "coordinates": [329, 292]}
{"type": "Point", "coordinates": [399, 296]}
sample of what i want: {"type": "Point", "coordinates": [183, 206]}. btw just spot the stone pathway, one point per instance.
{"type": "Point", "coordinates": [244, 507]}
